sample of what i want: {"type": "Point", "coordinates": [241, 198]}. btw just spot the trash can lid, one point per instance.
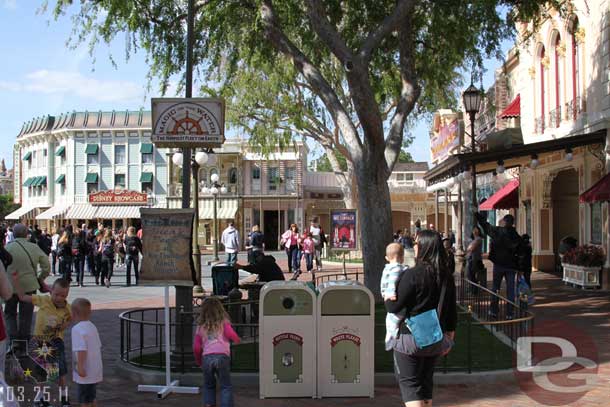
{"type": "Point", "coordinates": [341, 283]}
{"type": "Point", "coordinates": [285, 285]}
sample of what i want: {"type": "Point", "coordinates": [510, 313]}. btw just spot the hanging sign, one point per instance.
{"type": "Point", "coordinates": [192, 122]}
{"type": "Point", "coordinates": [166, 246]}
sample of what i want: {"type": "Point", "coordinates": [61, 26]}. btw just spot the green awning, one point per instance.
{"type": "Point", "coordinates": [42, 181]}
{"type": "Point", "coordinates": [28, 182]}
{"type": "Point", "coordinates": [61, 179]}
{"type": "Point", "coordinates": [91, 149]}
{"type": "Point", "coordinates": [34, 182]}
{"type": "Point", "coordinates": [60, 151]}
{"type": "Point", "coordinates": [91, 178]}
{"type": "Point", "coordinates": [146, 148]}
{"type": "Point", "coordinates": [146, 177]}
{"type": "Point", "coordinates": [27, 156]}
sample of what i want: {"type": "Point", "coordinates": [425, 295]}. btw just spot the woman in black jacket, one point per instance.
{"type": "Point", "coordinates": [418, 290]}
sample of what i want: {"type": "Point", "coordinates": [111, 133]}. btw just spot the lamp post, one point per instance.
{"type": "Point", "coordinates": [215, 189]}
{"type": "Point", "coordinates": [472, 98]}
{"type": "Point", "coordinates": [201, 158]}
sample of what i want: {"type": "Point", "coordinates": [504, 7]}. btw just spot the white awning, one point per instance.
{"type": "Point", "coordinates": [19, 213]}
{"type": "Point", "coordinates": [117, 212]}
{"type": "Point", "coordinates": [81, 211]}
{"type": "Point", "coordinates": [53, 212]}
{"type": "Point", "coordinates": [225, 209]}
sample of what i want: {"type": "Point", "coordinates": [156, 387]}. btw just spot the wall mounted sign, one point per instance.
{"type": "Point", "coordinates": [447, 140]}
{"type": "Point", "coordinates": [166, 244]}
{"type": "Point", "coordinates": [193, 122]}
{"type": "Point", "coordinates": [118, 197]}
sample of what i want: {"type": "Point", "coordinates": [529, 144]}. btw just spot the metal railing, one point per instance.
{"type": "Point", "coordinates": [575, 107]}
{"type": "Point", "coordinates": [555, 118]}
{"type": "Point", "coordinates": [142, 339]}
{"type": "Point", "coordinates": [539, 124]}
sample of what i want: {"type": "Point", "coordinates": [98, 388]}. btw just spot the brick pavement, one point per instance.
{"type": "Point", "coordinates": [587, 310]}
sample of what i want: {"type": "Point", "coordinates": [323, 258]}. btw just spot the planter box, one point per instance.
{"type": "Point", "coordinates": [585, 277]}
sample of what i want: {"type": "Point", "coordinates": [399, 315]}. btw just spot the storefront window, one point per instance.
{"type": "Point", "coordinates": [119, 154]}
{"type": "Point", "coordinates": [596, 223]}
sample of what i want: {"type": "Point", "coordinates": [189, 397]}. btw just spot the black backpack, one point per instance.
{"type": "Point", "coordinates": [132, 245]}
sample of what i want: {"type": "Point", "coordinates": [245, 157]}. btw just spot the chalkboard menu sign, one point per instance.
{"type": "Point", "coordinates": [166, 246]}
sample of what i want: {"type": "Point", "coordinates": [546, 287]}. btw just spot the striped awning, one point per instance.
{"type": "Point", "coordinates": [225, 209]}
{"type": "Point", "coordinates": [81, 211]}
{"type": "Point", "coordinates": [53, 212]}
{"type": "Point", "coordinates": [117, 212]}
{"type": "Point", "coordinates": [19, 213]}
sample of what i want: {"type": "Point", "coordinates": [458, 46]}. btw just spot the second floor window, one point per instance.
{"type": "Point", "coordinates": [233, 176]}
{"type": "Point", "coordinates": [256, 173]}
{"type": "Point", "coordinates": [92, 188]}
{"type": "Point", "coordinates": [274, 178]}
{"type": "Point", "coordinates": [291, 179]}
{"type": "Point", "coordinates": [92, 151]}
{"type": "Point", "coordinates": [119, 181]}
{"type": "Point", "coordinates": [119, 154]}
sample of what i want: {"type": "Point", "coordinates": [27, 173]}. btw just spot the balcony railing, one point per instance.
{"type": "Point", "coordinates": [555, 118]}
{"type": "Point", "coordinates": [539, 124]}
{"type": "Point", "coordinates": [575, 107]}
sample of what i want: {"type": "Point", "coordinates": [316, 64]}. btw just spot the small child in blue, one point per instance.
{"type": "Point", "coordinates": [394, 254]}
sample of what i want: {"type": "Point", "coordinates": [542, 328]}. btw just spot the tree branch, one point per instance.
{"type": "Point", "coordinates": [389, 24]}
{"type": "Point", "coordinates": [311, 73]}
{"type": "Point", "coordinates": [408, 96]}
{"type": "Point", "coordinates": [327, 33]}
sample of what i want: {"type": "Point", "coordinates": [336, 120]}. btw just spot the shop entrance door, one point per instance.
{"type": "Point", "coordinates": [564, 193]}
{"type": "Point", "coordinates": [274, 221]}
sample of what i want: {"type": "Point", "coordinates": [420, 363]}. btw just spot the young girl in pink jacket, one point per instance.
{"type": "Point", "coordinates": [212, 344]}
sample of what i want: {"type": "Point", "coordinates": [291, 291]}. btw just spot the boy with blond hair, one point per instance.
{"type": "Point", "coordinates": [52, 318]}
{"type": "Point", "coordinates": [394, 254]}
{"type": "Point", "coordinates": [86, 353]}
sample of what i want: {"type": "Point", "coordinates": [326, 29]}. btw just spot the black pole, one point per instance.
{"type": "Point", "coordinates": [475, 204]}
{"type": "Point", "coordinates": [184, 294]}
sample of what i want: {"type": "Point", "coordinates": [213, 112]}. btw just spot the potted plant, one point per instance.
{"type": "Point", "coordinates": [582, 265]}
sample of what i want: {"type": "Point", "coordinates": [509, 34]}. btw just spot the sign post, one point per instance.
{"type": "Point", "coordinates": [166, 242]}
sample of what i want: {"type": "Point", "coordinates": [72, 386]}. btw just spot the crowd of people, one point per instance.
{"type": "Point", "coordinates": [73, 250]}
{"type": "Point", "coordinates": [27, 264]}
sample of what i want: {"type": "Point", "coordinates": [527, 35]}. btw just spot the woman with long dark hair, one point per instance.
{"type": "Point", "coordinates": [419, 291]}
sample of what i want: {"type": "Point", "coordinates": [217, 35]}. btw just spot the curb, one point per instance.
{"type": "Point", "coordinates": [146, 376]}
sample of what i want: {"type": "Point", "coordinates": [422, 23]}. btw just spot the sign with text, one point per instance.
{"type": "Point", "coordinates": [166, 246]}
{"type": "Point", "coordinates": [343, 229]}
{"type": "Point", "coordinates": [446, 141]}
{"type": "Point", "coordinates": [193, 122]}
{"type": "Point", "coordinates": [118, 198]}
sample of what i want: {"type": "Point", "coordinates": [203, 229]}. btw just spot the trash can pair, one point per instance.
{"type": "Point", "coordinates": [316, 346]}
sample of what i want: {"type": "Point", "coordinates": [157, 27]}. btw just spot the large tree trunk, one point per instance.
{"type": "Point", "coordinates": [375, 214]}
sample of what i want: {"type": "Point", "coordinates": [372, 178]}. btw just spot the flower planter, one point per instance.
{"type": "Point", "coordinates": [584, 277]}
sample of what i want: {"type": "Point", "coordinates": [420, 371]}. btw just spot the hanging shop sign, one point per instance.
{"type": "Point", "coordinates": [119, 197]}
{"type": "Point", "coordinates": [343, 229]}
{"type": "Point", "coordinates": [447, 140]}
{"type": "Point", "coordinates": [192, 122]}
{"type": "Point", "coordinates": [166, 243]}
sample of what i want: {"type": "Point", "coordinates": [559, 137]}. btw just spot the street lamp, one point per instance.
{"type": "Point", "coordinates": [215, 189]}
{"type": "Point", "coordinates": [472, 98]}
{"type": "Point", "coordinates": [201, 158]}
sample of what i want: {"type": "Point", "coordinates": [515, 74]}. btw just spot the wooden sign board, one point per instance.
{"type": "Point", "coordinates": [166, 246]}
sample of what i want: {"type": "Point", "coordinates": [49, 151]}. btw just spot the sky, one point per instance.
{"type": "Point", "coordinates": [40, 75]}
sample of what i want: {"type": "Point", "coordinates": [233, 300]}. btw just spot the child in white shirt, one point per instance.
{"type": "Point", "coordinates": [394, 254]}
{"type": "Point", "coordinates": [86, 353]}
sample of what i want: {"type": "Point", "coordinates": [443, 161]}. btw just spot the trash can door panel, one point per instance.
{"type": "Point", "coordinates": [346, 302]}
{"type": "Point", "coordinates": [345, 359]}
{"type": "Point", "coordinates": [288, 358]}
{"type": "Point", "coordinates": [288, 302]}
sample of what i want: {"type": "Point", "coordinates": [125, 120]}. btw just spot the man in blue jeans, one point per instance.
{"type": "Point", "coordinates": [230, 240]}
{"type": "Point", "coordinates": [507, 248]}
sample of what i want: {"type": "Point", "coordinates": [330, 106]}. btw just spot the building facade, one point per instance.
{"type": "Point", "coordinates": [84, 167]}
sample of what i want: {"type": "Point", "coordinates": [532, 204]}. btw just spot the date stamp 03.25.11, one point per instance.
{"type": "Point", "coordinates": [29, 394]}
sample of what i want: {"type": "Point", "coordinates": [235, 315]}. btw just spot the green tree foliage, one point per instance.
{"type": "Point", "coordinates": [348, 74]}
{"type": "Point", "coordinates": [7, 205]}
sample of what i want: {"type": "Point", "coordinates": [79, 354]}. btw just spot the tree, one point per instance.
{"type": "Point", "coordinates": [7, 205]}
{"type": "Point", "coordinates": [346, 74]}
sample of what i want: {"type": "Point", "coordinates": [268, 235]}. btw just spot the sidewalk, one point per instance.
{"type": "Point", "coordinates": [587, 310]}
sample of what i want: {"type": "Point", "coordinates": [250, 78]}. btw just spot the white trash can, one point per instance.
{"type": "Point", "coordinates": [346, 340]}
{"type": "Point", "coordinates": [287, 340]}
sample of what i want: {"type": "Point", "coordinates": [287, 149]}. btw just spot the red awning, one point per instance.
{"type": "Point", "coordinates": [600, 191]}
{"type": "Point", "coordinates": [506, 198]}
{"type": "Point", "coordinates": [512, 110]}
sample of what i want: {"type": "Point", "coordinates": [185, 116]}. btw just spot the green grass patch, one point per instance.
{"type": "Point", "coordinates": [485, 351]}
